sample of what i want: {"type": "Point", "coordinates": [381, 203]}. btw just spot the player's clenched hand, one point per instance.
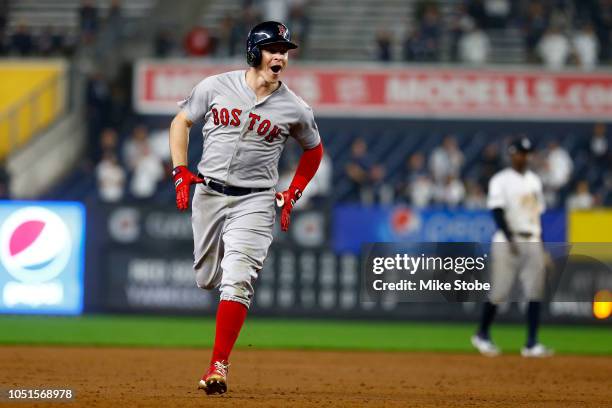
{"type": "Point", "coordinates": [183, 179]}
{"type": "Point", "coordinates": [286, 200]}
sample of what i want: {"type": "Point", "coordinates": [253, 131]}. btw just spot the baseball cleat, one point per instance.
{"type": "Point", "coordinates": [538, 350]}
{"type": "Point", "coordinates": [484, 346]}
{"type": "Point", "coordinates": [215, 379]}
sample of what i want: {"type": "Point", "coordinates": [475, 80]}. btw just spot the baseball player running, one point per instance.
{"type": "Point", "coordinates": [248, 116]}
{"type": "Point", "coordinates": [517, 201]}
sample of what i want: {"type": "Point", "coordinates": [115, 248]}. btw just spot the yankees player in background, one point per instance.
{"type": "Point", "coordinates": [517, 202]}
{"type": "Point", "coordinates": [248, 116]}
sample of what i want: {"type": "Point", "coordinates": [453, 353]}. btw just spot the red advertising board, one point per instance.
{"type": "Point", "coordinates": [408, 91]}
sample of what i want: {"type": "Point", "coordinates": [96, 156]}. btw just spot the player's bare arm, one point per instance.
{"type": "Point", "coordinates": [179, 139]}
{"type": "Point", "coordinates": [179, 142]}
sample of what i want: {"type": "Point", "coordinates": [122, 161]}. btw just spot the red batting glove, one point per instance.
{"type": "Point", "coordinates": [286, 200]}
{"type": "Point", "coordinates": [183, 179]}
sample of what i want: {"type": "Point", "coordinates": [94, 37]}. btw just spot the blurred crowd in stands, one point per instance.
{"type": "Point", "coordinates": [438, 180]}
{"type": "Point", "coordinates": [48, 41]}
{"type": "Point", "coordinates": [137, 167]}
{"type": "Point", "coordinates": [555, 33]}
{"type": "Point", "coordinates": [229, 40]}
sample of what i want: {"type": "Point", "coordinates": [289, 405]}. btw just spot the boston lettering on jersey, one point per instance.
{"type": "Point", "coordinates": [231, 117]}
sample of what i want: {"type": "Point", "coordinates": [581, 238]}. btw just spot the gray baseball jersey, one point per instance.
{"type": "Point", "coordinates": [243, 141]}
{"type": "Point", "coordinates": [243, 137]}
{"type": "Point", "coordinates": [522, 199]}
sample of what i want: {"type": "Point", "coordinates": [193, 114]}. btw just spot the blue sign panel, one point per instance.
{"type": "Point", "coordinates": [41, 257]}
{"type": "Point", "coordinates": [354, 225]}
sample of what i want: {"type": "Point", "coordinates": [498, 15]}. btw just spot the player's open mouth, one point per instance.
{"type": "Point", "coordinates": [276, 68]}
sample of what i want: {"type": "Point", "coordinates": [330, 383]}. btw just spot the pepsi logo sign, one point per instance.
{"type": "Point", "coordinates": [35, 245]}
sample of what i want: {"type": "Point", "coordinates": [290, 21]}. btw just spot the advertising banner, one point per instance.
{"type": "Point", "coordinates": [142, 262]}
{"type": "Point", "coordinates": [41, 257]}
{"type": "Point", "coordinates": [355, 225]}
{"type": "Point", "coordinates": [408, 91]}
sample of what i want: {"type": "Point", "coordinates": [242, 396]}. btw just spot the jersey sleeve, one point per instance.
{"type": "Point", "coordinates": [306, 131]}
{"type": "Point", "coordinates": [196, 104]}
{"type": "Point", "coordinates": [495, 199]}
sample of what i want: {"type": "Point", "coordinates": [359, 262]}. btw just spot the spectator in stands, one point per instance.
{"type": "Point", "coordinates": [66, 40]}
{"type": "Point", "coordinates": [586, 47]}
{"type": "Point", "coordinates": [299, 23]}
{"type": "Point", "coordinates": [450, 192]}
{"type": "Point", "coordinates": [489, 164]}
{"type": "Point", "coordinates": [224, 41]}
{"type": "Point", "coordinates": [446, 160]}
{"type": "Point", "coordinates": [114, 11]}
{"type": "Point", "coordinates": [474, 46]}
{"type": "Point", "coordinates": [248, 17]}
{"type": "Point", "coordinates": [414, 46]}
{"type": "Point", "coordinates": [558, 166]}
{"type": "Point", "coordinates": [198, 42]}
{"type": "Point", "coordinates": [384, 46]}
{"type": "Point", "coordinates": [475, 198]}
{"type": "Point", "coordinates": [599, 144]}
{"type": "Point", "coordinates": [554, 48]}
{"type": "Point", "coordinates": [109, 142]}
{"type": "Point", "coordinates": [5, 181]}
{"type": "Point", "coordinates": [110, 178]}
{"type": "Point", "coordinates": [358, 165]}
{"type": "Point", "coordinates": [476, 9]}
{"type": "Point", "coordinates": [88, 20]}
{"type": "Point", "coordinates": [368, 178]}
{"type": "Point", "coordinates": [163, 43]}
{"type": "Point", "coordinates": [421, 191]}
{"type": "Point", "coordinates": [44, 42]}
{"type": "Point", "coordinates": [22, 42]}
{"type": "Point", "coordinates": [431, 27]}
{"type": "Point", "coordinates": [377, 190]}
{"type": "Point", "coordinates": [561, 164]}
{"type": "Point", "coordinates": [534, 28]}
{"type": "Point", "coordinates": [581, 198]}
{"type": "Point", "coordinates": [460, 23]}
{"type": "Point", "coordinates": [422, 41]}
{"type": "Point", "coordinates": [112, 31]}
{"type": "Point", "coordinates": [98, 108]}
{"type": "Point", "coordinates": [602, 21]}
{"type": "Point", "coordinates": [148, 171]}
{"type": "Point", "coordinates": [497, 13]}
{"type": "Point", "coordinates": [132, 147]}
{"type": "Point", "coordinates": [416, 187]}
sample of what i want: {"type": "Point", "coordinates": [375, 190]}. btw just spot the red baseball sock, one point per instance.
{"type": "Point", "coordinates": [230, 318]}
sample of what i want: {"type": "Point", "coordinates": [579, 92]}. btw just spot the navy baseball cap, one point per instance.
{"type": "Point", "coordinates": [522, 145]}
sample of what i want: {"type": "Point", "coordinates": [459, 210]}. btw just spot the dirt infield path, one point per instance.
{"type": "Point", "coordinates": [115, 377]}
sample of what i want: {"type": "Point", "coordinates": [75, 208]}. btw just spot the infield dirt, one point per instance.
{"type": "Point", "coordinates": [136, 377]}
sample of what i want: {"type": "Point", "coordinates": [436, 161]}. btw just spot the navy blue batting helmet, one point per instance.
{"type": "Point", "coordinates": [268, 32]}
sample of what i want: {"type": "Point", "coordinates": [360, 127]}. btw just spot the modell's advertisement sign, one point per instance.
{"type": "Point", "coordinates": [41, 257]}
{"type": "Point", "coordinates": [424, 92]}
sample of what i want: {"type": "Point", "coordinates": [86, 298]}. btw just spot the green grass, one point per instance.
{"type": "Point", "coordinates": [289, 334]}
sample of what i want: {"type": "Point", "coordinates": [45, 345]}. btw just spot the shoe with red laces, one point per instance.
{"type": "Point", "coordinates": [215, 379]}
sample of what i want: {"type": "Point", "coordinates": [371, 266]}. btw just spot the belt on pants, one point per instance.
{"type": "Point", "coordinates": [231, 190]}
{"type": "Point", "coordinates": [525, 235]}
